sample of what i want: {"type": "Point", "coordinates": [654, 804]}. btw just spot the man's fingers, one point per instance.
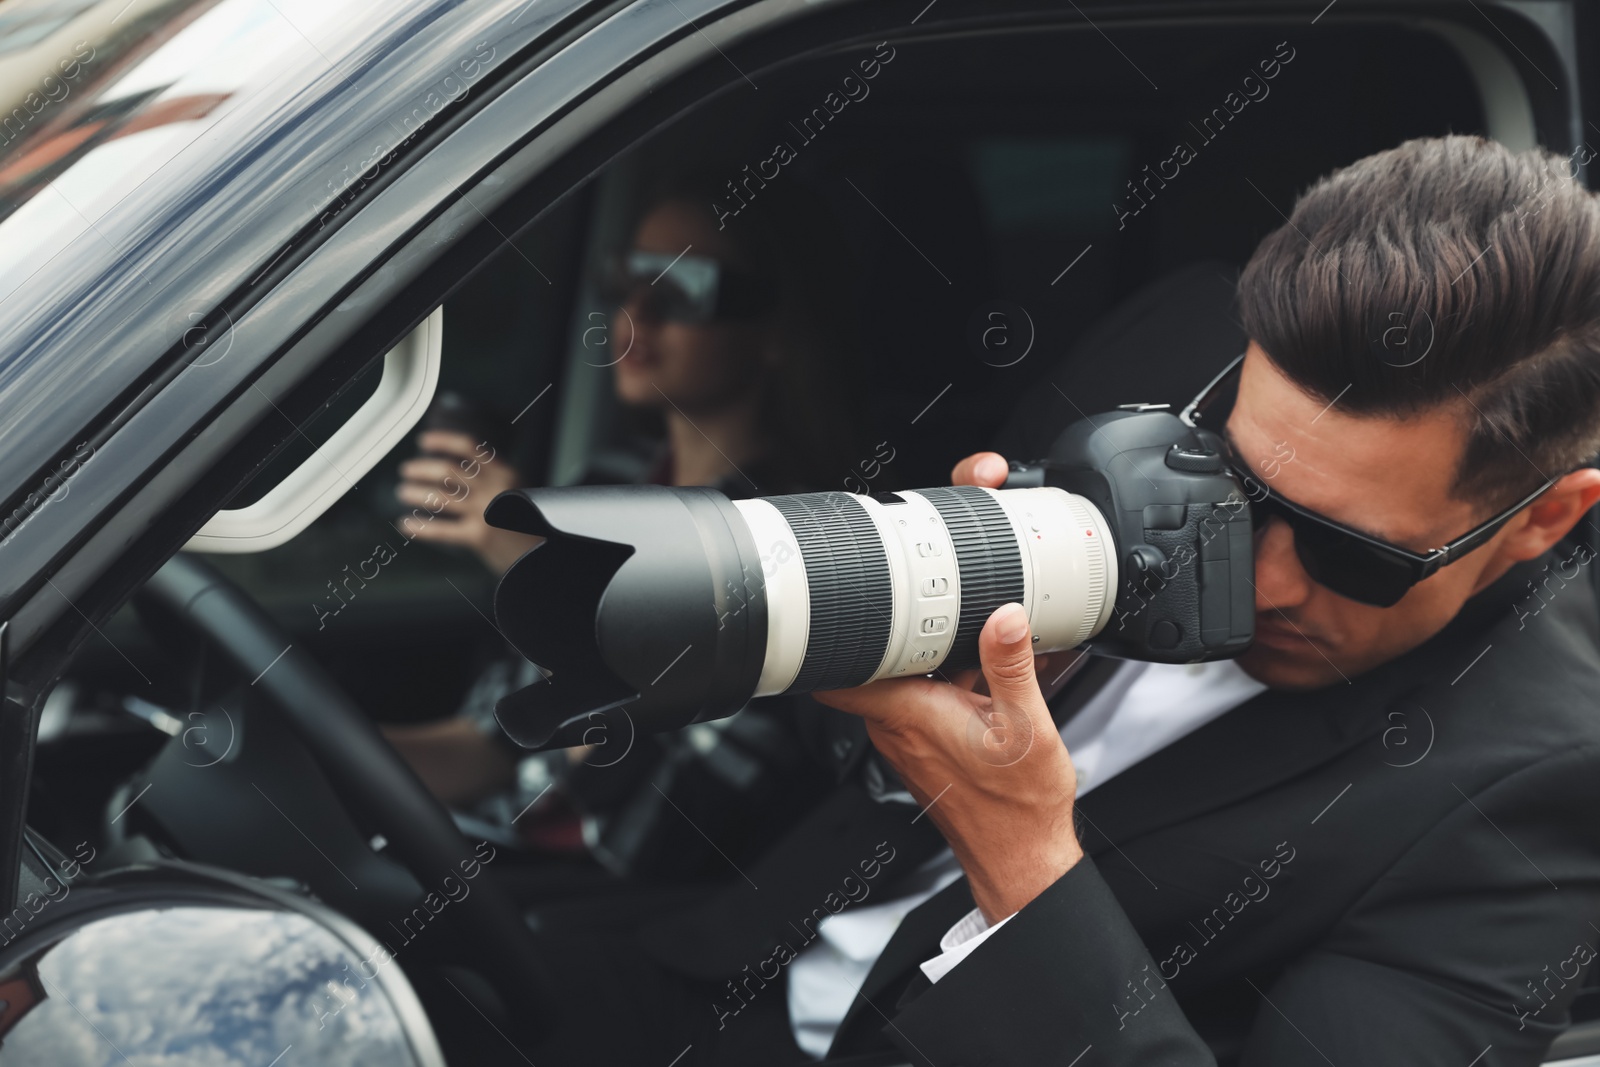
{"type": "Point", "coordinates": [879, 701]}
{"type": "Point", "coordinates": [967, 679]}
{"type": "Point", "coordinates": [981, 468]}
{"type": "Point", "coordinates": [858, 701]}
{"type": "Point", "coordinates": [1005, 646]}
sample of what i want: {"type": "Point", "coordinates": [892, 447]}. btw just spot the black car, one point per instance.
{"type": "Point", "coordinates": [245, 244]}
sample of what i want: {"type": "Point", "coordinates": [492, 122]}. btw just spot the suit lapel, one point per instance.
{"type": "Point", "coordinates": [1275, 736]}
{"type": "Point", "coordinates": [1279, 734]}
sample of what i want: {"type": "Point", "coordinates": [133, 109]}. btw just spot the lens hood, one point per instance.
{"type": "Point", "coordinates": [644, 609]}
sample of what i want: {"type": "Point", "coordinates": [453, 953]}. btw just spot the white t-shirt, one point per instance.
{"type": "Point", "coordinates": [1140, 710]}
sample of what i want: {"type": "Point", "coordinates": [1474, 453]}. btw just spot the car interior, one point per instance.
{"type": "Point", "coordinates": [1023, 254]}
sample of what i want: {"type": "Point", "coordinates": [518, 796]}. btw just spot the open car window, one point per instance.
{"type": "Point", "coordinates": [985, 226]}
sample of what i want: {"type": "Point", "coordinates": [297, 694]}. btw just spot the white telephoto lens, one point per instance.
{"type": "Point", "coordinates": [860, 588]}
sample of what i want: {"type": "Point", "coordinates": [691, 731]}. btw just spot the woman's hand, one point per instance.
{"type": "Point", "coordinates": [980, 752]}
{"type": "Point", "coordinates": [457, 761]}
{"type": "Point", "coordinates": [449, 495]}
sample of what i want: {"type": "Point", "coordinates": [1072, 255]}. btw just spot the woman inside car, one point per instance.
{"type": "Point", "coordinates": [724, 341]}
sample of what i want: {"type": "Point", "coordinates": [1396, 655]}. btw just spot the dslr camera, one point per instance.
{"type": "Point", "coordinates": [673, 606]}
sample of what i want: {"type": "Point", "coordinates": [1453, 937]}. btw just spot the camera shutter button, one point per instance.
{"type": "Point", "coordinates": [1195, 460]}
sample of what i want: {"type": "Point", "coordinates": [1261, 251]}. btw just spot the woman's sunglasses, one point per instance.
{"type": "Point", "coordinates": [1343, 559]}
{"type": "Point", "coordinates": [687, 288]}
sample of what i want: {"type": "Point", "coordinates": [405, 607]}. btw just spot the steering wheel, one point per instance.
{"type": "Point", "coordinates": [369, 776]}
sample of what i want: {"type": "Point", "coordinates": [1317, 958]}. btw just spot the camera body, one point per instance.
{"type": "Point", "coordinates": [1182, 527]}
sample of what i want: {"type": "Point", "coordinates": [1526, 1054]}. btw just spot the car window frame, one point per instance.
{"type": "Point", "coordinates": [372, 265]}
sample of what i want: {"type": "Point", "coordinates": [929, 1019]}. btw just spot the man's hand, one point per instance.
{"type": "Point", "coordinates": [989, 767]}
{"type": "Point", "coordinates": [455, 492]}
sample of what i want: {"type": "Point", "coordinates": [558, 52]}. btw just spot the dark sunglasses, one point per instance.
{"type": "Point", "coordinates": [688, 288]}
{"type": "Point", "coordinates": [1343, 559]}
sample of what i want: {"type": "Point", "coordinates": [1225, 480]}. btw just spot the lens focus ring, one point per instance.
{"type": "Point", "coordinates": [847, 576]}
{"type": "Point", "coordinates": [987, 559]}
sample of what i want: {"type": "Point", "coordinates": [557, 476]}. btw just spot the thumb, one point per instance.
{"type": "Point", "coordinates": [1005, 648]}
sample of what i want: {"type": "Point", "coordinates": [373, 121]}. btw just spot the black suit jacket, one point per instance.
{"type": "Point", "coordinates": [1400, 870]}
{"type": "Point", "coordinates": [1404, 869]}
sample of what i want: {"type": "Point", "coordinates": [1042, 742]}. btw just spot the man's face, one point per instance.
{"type": "Point", "coordinates": [1387, 477]}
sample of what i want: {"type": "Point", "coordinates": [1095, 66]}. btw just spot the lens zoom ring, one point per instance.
{"type": "Point", "coordinates": [847, 574]}
{"type": "Point", "coordinates": [988, 561]}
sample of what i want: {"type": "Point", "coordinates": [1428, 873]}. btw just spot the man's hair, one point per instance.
{"type": "Point", "coordinates": [1446, 271]}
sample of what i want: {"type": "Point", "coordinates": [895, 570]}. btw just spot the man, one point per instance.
{"type": "Point", "coordinates": [1373, 839]}
{"type": "Point", "coordinates": [1282, 875]}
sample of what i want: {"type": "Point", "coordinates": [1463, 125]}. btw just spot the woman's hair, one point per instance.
{"type": "Point", "coordinates": [790, 237]}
